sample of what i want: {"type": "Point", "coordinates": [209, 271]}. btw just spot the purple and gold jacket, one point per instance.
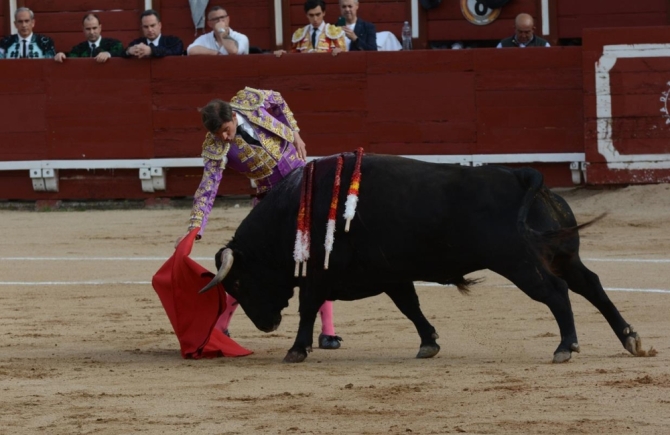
{"type": "Point", "coordinates": [266, 164]}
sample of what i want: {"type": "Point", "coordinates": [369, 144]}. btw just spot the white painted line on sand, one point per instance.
{"type": "Point", "coordinates": [46, 283]}
{"type": "Point", "coordinates": [94, 258]}
{"type": "Point", "coordinates": [417, 284]}
{"type": "Point", "coordinates": [609, 289]}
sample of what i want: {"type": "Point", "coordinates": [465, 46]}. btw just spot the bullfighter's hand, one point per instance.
{"type": "Point", "coordinates": [279, 53]}
{"type": "Point", "coordinates": [337, 51]}
{"type": "Point", "coordinates": [300, 146]}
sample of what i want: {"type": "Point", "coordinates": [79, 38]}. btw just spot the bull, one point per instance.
{"type": "Point", "coordinates": [415, 221]}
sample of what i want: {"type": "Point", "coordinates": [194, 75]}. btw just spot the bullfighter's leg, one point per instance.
{"type": "Point", "coordinates": [303, 341]}
{"type": "Point", "coordinates": [405, 298]}
{"type": "Point", "coordinates": [586, 283]}
{"type": "Point", "coordinates": [543, 286]}
{"type": "Point", "coordinates": [328, 339]}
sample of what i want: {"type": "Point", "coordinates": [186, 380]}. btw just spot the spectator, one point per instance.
{"type": "Point", "coordinates": [360, 35]}
{"type": "Point", "coordinates": [257, 136]}
{"type": "Point", "coordinates": [154, 44]}
{"type": "Point", "coordinates": [222, 39]}
{"type": "Point", "coordinates": [524, 35]}
{"type": "Point", "coordinates": [317, 36]}
{"type": "Point", "coordinates": [95, 45]}
{"type": "Point", "coordinates": [26, 44]}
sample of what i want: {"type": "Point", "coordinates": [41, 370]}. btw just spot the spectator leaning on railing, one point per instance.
{"type": "Point", "coordinates": [317, 36]}
{"type": "Point", "coordinates": [26, 44]}
{"type": "Point", "coordinates": [154, 43]}
{"type": "Point", "coordinates": [222, 39]}
{"type": "Point", "coordinates": [95, 45]}
{"type": "Point", "coordinates": [524, 34]}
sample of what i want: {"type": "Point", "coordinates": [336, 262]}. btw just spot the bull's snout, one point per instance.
{"type": "Point", "coordinates": [269, 326]}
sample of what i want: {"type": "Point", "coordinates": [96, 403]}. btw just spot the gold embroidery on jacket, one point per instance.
{"type": "Point", "coordinates": [214, 148]}
{"type": "Point", "coordinates": [259, 162]}
{"type": "Point", "coordinates": [248, 99]}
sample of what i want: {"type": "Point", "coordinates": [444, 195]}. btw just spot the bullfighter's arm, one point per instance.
{"type": "Point", "coordinates": [280, 110]}
{"type": "Point", "coordinates": [203, 200]}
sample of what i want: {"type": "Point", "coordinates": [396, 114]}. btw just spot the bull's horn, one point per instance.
{"type": "Point", "coordinates": [226, 264]}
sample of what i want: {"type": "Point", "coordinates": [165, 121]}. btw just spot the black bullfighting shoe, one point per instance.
{"type": "Point", "coordinates": [329, 341]}
{"type": "Point", "coordinates": [226, 333]}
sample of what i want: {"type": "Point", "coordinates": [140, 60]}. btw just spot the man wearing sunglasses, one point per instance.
{"type": "Point", "coordinates": [222, 40]}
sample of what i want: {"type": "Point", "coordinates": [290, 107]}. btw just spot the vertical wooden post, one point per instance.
{"type": "Point", "coordinates": [422, 41]}
{"type": "Point", "coordinates": [7, 18]}
{"type": "Point", "coordinates": [286, 23]}
{"type": "Point", "coordinates": [547, 10]}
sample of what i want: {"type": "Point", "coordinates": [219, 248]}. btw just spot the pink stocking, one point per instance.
{"type": "Point", "coordinates": [326, 312]}
{"type": "Point", "coordinates": [224, 319]}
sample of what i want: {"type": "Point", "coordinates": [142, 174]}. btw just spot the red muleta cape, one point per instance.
{"type": "Point", "coordinates": [193, 315]}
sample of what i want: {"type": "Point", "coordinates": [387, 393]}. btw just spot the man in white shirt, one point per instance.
{"type": "Point", "coordinates": [222, 39]}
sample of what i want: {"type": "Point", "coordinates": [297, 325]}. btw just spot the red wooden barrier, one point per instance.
{"type": "Point", "coordinates": [421, 102]}
{"type": "Point", "coordinates": [574, 16]}
{"type": "Point", "coordinates": [626, 87]}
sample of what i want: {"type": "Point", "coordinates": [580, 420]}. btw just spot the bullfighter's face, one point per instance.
{"type": "Point", "coordinates": [24, 24]}
{"type": "Point", "coordinates": [228, 130]}
{"type": "Point", "coordinates": [92, 29]}
{"type": "Point", "coordinates": [315, 16]}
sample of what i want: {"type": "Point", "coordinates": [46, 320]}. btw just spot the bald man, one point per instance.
{"type": "Point", "coordinates": [524, 34]}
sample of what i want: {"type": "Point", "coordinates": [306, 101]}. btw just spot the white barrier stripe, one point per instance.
{"type": "Point", "coordinates": [602, 260]}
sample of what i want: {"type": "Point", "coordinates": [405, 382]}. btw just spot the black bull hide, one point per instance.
{"type": "Point", "coordinates": [415, 221]}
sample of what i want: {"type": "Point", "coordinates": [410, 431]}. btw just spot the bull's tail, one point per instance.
{"type": "Point", "coordinates": [547, 244]}
{"type": "Point", "coordinates": [532, 181]}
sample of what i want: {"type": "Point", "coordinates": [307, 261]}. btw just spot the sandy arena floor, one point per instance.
{"type": "Point", "coordinates": [85, 346]}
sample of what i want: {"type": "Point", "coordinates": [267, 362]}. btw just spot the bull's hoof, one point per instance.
{"type": "Point", "coordinates": [295, 356]}
{"type": "Point", "coordinates": [634, 344]}
{"type": "Point", "coordinates": [562, 356]}
{"type": "Point", "coordinates": [428, 351]}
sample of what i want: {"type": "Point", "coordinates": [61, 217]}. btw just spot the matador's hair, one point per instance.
{"type": "Point", "coordinates": [215, 114]}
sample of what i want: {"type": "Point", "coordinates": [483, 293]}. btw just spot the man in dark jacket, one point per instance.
{"type": "Point", "coordinates": [360, 35]}
{"type": "Point", "coordinates": [524, 34]}
{"type": "Point", "coordinates": [95, 45]}
{"type": "Point", "coordinates": [26, 44]}
{"type": "Point", "coordinates": [154, 43]}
